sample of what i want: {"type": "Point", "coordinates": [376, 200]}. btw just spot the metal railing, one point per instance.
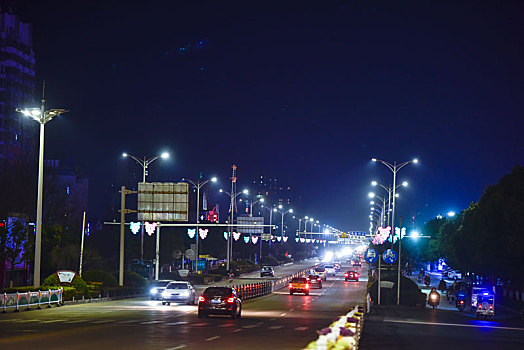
{"type": "Point", "coordinates": [255, 290]}
{"type": "Point", "coordinates": [16, 301]}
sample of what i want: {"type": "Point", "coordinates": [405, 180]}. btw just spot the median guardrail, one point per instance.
{"type": "Point", "coordinates": [16, 301]}
{"type": "Point", "coordinates": [258, 289]}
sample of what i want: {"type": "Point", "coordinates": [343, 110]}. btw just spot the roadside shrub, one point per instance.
{"type": "Point", "coordinates": [51, 281]}
{"type": "Point", "coordinates": [101, 276]}
{"type": "Point", "coordinates": [213, 277]}
{"type": "Point", "coordinates": [410, 294]}
{"type": "Point", "coordinates": [80, 286]}
{"type": "Point", "coordinates": [196, 279]}
{"type": "Point", "coordinates": [268, 260]}
{"type": "Point", "coordinates": [23, 289]}
{"type": "Point", "coordinates": [134, 280]}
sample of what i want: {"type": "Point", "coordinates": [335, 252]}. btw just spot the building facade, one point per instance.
{"type": "Point", "coordinates": [18, 134]}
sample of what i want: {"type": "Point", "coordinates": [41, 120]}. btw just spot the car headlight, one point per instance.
{"type": "Point", "coordinates": [153, 291]}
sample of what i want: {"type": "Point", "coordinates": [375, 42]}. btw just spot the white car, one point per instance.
{"type": "Point", "coordinates": [330, 270]}
{"type": "Point", "coordinates": [178, 292]}
{"type": "Point", "coordinates": [454, 275]}
{"type": "Point", "coordinates": [320, 271]}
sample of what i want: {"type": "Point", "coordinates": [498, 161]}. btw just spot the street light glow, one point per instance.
{"type": "Point", "coordinates": [261, 200]}
{"type": "Point", "coordinates": [214, 179]}
{"type": "Point", "coordinates": [405, 184]}
{"type": "Point", "coordinates": [374, 183]}
{"type": "Point", "coordinates": [415, 160]}
{"type": "Point", "coordinates": [451, 214]}
{"type": "Point", "coordinates": [124, 154]}
{"type": "Point", "coordinates": [371, 195]}
{"type": "Point", "coordinates": [164, 155]}
{"type": "Point", "coordinates": [246, 191]}
{"type": "Point", "coordinates": [280, 206]}
{"type": "Point", "coordinates": [290, 210]}
{"type": "Point", "coordinates": [372, 202]}
{"type": "Point", "coordinates": [373, 159]}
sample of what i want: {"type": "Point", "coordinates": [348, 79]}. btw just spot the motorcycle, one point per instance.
{"type": "Point", "coordinates": [427, 281]}
{"type": "Point", "coordinates": [434, 299]}
{"type": "Point", "coordinates": [461, 301]}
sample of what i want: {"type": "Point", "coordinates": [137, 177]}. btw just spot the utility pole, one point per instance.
{"type": "Point", "coordinates": [82, 244]}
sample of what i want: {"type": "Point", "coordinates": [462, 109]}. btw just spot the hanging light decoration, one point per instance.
{"type": "Point", "coordinates": [135, 227]}
{"type": "Point", "coordinates": [203, 233]}
{"type": "Point", "coordinates": [246, 239]}
{"type": "Point", "coordinates": [150, 228]}
{"type": "Point", "coordinates": [254, 239]}
{"type": "Point", "coordinates": [225, 235]}
{"type": "Point", "coordinates": [191, 232]}
{"type": "Point", "coordinates": [285, 238]}
{"type": "Point", "coordinates": [236, 235]}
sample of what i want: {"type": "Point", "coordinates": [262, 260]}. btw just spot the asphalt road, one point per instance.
{"type": "Point", "coordinates": [442, 328]}
{"type": "Point", "coordinates": [278, 321]}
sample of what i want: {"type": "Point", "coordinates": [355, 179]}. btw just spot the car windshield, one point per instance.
{"type": "Point", "coordinates": [266, 268]}
{"type": "Point", "coordinates": [176, 286]}
{"type": "Point", "coordinates": [160, 284]}
{"type": "Point", "coordinates": [320, 269]}
{"type": "Point", "coordinates": [313, 277]}
{"type": "Point", "coordinates": [298, 280]}
{"type": "Point", "coordinates": [218, 291]}
{"type": "Point", "coordinates": [329, 266]}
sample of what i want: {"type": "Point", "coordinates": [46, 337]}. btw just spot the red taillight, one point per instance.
{"type": "Point", "coordinates": [462, 301]}
{"type": "Point", "coordinates": [491, 307]}
{"type": "Point", "coordinates": [318, 279]}
{"type": "Point", "coordinates": [480, 306]}
{"type": "Point", "coordinates": [307, 286]}
{"type": "Point", "coordinates": [230, 300]}
{"type": "Point", "coordinates": [308, 278]}
{"type": "Point", "coordinates": [356, 275]}
{"type": "Point", "coordinates": [201, 298]}
{"type": "Point", "coordinates": [290, 285]}
{"type": "Point", "coordinates": [346, 275]}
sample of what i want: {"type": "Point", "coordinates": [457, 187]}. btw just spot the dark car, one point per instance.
{"type": "Point", "coordinates": [351, 276]}
{"type": "Point", "coordinates": [267, 271]}
{"type": "Point", "coordinates": [220, 301]}
{"type": "Point", "coordinates": [314, 280]}
{"type": "Point", "coordinates": [357, 263]}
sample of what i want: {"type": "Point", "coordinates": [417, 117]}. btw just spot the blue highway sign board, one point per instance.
{"type": "Point", "coordinates": [371, 256]}
{"type": "Point", "coordinates": [390, 256]}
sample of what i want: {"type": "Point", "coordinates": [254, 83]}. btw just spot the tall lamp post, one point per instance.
{"type": "Point", "coordinates": [232, 206]}
{"type": "Point", "coordinates": [42, 117]}
{"type": "Point", "coordinates": [271, 210]}
{"type": "Point", "coordinates": [395, 168]}
{"type": "Point", "coordinates": [198, 186]}
{"type": "Point", "coordinates": [389, 190]}
{"type": "Point", "coordinates": [144, 163]}
{"type": "Point", "coordinates": [283, 213]}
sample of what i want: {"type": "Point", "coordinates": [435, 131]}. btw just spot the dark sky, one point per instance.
{"type": "Point", "coordinates": [303, 91]}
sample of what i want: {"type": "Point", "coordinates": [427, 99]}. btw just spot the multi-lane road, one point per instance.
{"type": "Point", "coordinates": [278, 321]}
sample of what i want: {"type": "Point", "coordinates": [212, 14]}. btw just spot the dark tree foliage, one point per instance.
{"type": "Point", "coordinates": [488, 237]}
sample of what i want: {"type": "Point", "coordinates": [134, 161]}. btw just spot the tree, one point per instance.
{"type": "Point", "coordinates": [16, 238]}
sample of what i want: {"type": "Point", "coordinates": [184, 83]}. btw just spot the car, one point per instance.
{"type": "Point", "coordinates": [351, 276]}
{"type": "Point", "coordinates": [220, 301]}
{"type": "Point", "coordinates": [321, 271]}
{"type": "Point", "coordinates": [178, 291]}
{"type": "Point", "coordinates": [299, 285]}
{"type": "Point", "coordinates": [357, 263]}
{"type": "Point", "coordinates": [330, 270]}
{"type": "Point", "coordinates": [267, 271]}
{"type": "Point", "coordinates": [455, 275]}
{"type": "Point", "coordinates": [314, 280]}
{"type": "Point", "coordinates": [157, 287]}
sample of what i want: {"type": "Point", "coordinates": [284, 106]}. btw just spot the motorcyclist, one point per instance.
{"type": "Point", "coordinates": [461, 300]}
{"type": "Point", "coordinates": [442, 286]}
{"type": "Point", "coordinates": [427, 280]}
{"type": "Point", "coordinates": [434, 298]}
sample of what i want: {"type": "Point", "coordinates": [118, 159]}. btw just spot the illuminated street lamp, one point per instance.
{"type": "Point", "coordinates": [198, 186]}
{"type": "Point", "coordinates": [389, 191]}
{"type": "Point", "coordinates": [42, 117]}
{"type": "Point", "coordinates": [229, 240]}
{"type": "Point", "coordinates": [282, 213]}
{"type": "Point", "coordinates": [395, 168]}
{"type": "Point", "coordinates": [144, 163]}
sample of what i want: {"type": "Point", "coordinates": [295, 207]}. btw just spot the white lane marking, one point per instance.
{"type": "Point", "coordinates": [128, 321]}
{"type": "Point", "coordinates": [250, 326]}
{"type": "Point", "coordinates": [301, 328]}
{"type": "Point", "coordinates": [283, 314]}
{"type": "Point", "coordinates": [76, 321]}
{"type": "Point", "coordinates": [276, 327]}
{"type": "Point", "coordinates": [237, 330]}
{"type": "Point", "coordinates": [150, 322]}
{"type": "Point", "coordinates": [455, 325]}
{"type": "Point", "coordinates": [213, 338]}
{"type": "Point", "coordinates": [52, 321]}
{"type": "Point", "coordinates": [292, 309]}
{"type": "Point", "coordinates": [24, 321]}
{"type": "Point", "coordinates": [175, 323]}
{"type": "Point", "coordinates": [181, 346]}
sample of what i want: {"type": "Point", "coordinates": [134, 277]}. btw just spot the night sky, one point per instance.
{"type": "Point", "coordinates": [307, 92]}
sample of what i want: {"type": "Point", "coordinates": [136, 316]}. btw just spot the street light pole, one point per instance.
{"type": "Point", "coordinates": [198, 185]}
{"type": "Point", "coordinates": [42, 117]}
{"type": "Point", "coordinates": [144, 164]}
{"type": "Point", "coordinates": [232, 207]}
{"type": "Point", "coordinates": [395, 168]}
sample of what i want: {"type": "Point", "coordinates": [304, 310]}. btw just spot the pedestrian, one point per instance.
{"type": "Point", "coordinates": [442, 286]}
